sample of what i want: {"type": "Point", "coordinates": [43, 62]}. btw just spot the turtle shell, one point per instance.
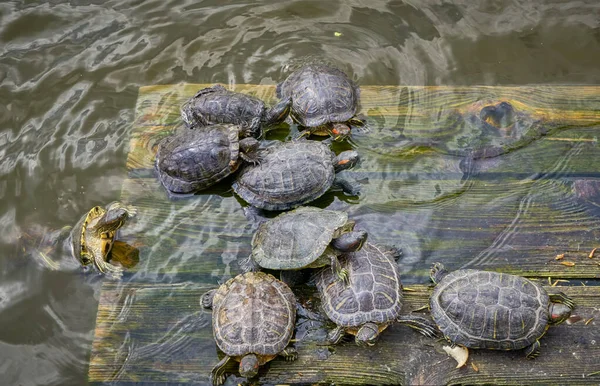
{"type": "Point", "coordinates": [193, 160]}
{"type": "Point", "coordinates": [216, 104]}
{"type": "Point", "coordinates": [480, 309]}
{"type": "Point", "coordinates": [290, 174]}
{"type": "Point", "coordinates": [320, 94]}
{"type": "Point", "coordinates": [374, 293]}
{"type": "Point", "coordinates": [294, 240]}
{"type": "Point", "coordinates": [253, 313]}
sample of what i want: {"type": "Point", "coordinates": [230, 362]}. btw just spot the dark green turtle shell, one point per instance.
{"type": "Point", "coordinates": [320, 94]}
{"type": "Point", "coordinates": [290, 174]}
{"type": "Point", "coordinates": [374, 292]}
{"type": "Point", "coordinates": [216, 104]}
{"type": "Point", "coordinates": [296, 239]}
{"type": "Point", "coordinates": [480, 309]}
{"type": "Point", "coordinates": [253, 313]}
{"type": "Point", "coordinates": [192, 160]}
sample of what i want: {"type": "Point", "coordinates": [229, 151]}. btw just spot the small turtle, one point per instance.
{"type": "Point", "coordinates": [306, 237]}
{"type": "Point", "coordinates": [293, 173]}
{"type": "Point", "coordinates": [373, 299]}
{"type": "Point", "coordinates": [253, 318]}
{"type": "Point", "coordinates": [192, 160]}
{"type": "Point", "coordinates": [324, 100]}
{"type": "Point", "coordinates": [480, 309]}
{"type": "Point", "coordinates": [216, 104]}
{"type": "Point", "coordinates": [92, 238]}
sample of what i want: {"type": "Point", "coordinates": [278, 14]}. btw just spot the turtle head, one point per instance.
{"type": "Point", "coordinates": [339, 131]}
{"type": "Point", "coordinates": [345, 160]}
{"type": "Point", "coordinates": [350, 241]}
{"type": "Point", "coordinates": [560, 308]}
{"type": "Point", "coordinates": [367, 335]}
{"type": "Point", "coordinates": [115, 216]}
{"type": "Point", "coordinates": [249, 366]}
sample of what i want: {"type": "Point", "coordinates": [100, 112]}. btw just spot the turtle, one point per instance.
{"type": "Point", "coordinates": [372, 300]}
{"type": "Point", "coordinates": [192, 160]}
{"type": "Point", "coordinates": [492, 310]}
{"type": "Point", "coordinates": [93, 236]}
{"type": "Point", "coordinates": [323, 100]}
{"type": "Point", "coordinates": [216, 104]}
{"type": "Point", "coordinates": [253, 318]}
{"type": "Point", "coordinates": [306, 237]}
{"type": "Point", "coordinates": [293, 173]}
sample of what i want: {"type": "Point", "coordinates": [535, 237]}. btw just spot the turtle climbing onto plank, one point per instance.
{"type": "Point", "coordinates": [216, 104]}
{"type": "Point", "coordinates": [253, 318]}
{"type": "Point", "coordinates": [490, 310]}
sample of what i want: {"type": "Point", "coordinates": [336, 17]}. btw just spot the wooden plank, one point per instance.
{"type": "Point", "coordinates": [157, 334]}
{"type": "Point", "coordinates": [512, 213]}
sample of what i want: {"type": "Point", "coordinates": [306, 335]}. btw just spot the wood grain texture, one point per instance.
{"type": "Point", "coordinates": [135, 343]}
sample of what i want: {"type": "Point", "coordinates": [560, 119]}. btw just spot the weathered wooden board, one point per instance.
{"type": "Point", "coordinates": [419, 190]}
{"type": "Point", "coordinates": [156, 334]}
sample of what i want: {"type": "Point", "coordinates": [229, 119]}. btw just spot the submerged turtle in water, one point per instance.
{"type": "Point", "coordinates": [293, 173]}
{"type": "Point", "coordinates": [306, 237]}
{"type": "Point", "coordinates": [324, 100]}
{"type": "Point", "coordinates": [372, 300]}
{"type": "Point", "coordinates": [216, 104]}
{"type": "Point", "coordinates": [93, 236]}
{"type": "Point", "coordinates": [192, 160]}
{"type": "Point", "coordinates": [253, 318]}
{"type": "Point", "coordinates": [480, 309]}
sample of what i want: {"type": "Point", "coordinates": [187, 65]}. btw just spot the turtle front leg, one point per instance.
{"type": "Point", "coordinates": [108, 269]}
{"type": "Point", "coordinates": [562, 299]}
{"type": "Point", "coordinates": [420, 324]}
{"type": "Point", "coordinates": [289, 353]}
{"type": "Point", "coordinates": [218, 373]}
{"type": "Point", "coordinates": [335, 336]}
{"type": "Point", "coordinates": [531, 352]}
{"type": "Point", "coordinates": [338, 271]}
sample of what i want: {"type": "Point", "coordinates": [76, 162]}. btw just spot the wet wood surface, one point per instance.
{"type": "Point", "coordinates": [525, 212]}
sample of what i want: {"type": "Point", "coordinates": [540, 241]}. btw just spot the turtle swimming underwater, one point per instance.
{"type": "Point", "coordinates": [93, 236]}
{"type": "Point", "coordinates": [481, 309]}
{"type": "Point", "coordinates": [371, 301]}
{"type": "Point", "coordinates": [192, 160]}
{"type": "Point", "coordinates": [253, 318]}
{"type": "Point", "coordinates": [216, 104]}
{"type": "Point", "coordinates": [293, 173]}
{"type": "Point", "coordinates": [324, 100]}
{"type": "Point", "coordinates": [306, 237]}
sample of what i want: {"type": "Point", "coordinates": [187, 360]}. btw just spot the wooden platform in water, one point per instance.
{"type": "Point", "coordinates": [513, 213]}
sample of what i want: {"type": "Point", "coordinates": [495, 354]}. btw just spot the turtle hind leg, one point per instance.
{"type": "Point", "coordinates": [420, 324]}
{"type": "Point", "coordinates": [289, 354]}
{"type": "Point", "coordinates": [531, 352]}
{"type": "Point", "coordinates": [108, 269]}
{"type": "Point", "coordinates": [248, 264]}
{"type": "Point", "coordinates": [219, 373]}
{"type": "Point", "coordinates": [338, 271]}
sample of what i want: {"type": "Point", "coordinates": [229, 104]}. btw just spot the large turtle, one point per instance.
{"type": "Point", "coordinates": [480, 309]}
{"type": "Point", "coordinates": [93, 236]}
{"type": "Point", "coordinates": [192, 160]}
{"type": "Point", "coordinates": [216, 104]}
{"type": "Point", "coordinates": [253, 318]}
{"type": "Point", "coordinates": [324, 100]}
{"type": "Point", "coordinates": [306, 237]}
{"type": "Point", "coordinates": [293, 173]}
{"type": "Point", "coordinates": [373, 299]}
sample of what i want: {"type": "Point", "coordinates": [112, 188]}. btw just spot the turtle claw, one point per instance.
{"type": "Point", "coordinates": [289, 354]}
{"type": "Point", "coordinates": [344, 276]}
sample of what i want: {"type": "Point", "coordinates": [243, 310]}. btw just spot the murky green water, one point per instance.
{"type": "Point", "coordinates": [70, 74]}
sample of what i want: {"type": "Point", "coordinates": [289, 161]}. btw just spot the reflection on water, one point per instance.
{"type": "Point", "coordinates": [70, 72]}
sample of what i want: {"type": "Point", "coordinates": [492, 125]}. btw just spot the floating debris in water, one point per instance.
{"type": "Point", "coordinates": [560, 257]}
{"type": "Point", "coordinates": [591, 255]}
{"type": "Point", "coordinates": [568, 263]}
{"type": "Point", "coordinates": [474, 366]}
{"type": "Point", "coordinates": [459, 353]}
{"type": "Point", "coordinates": [588, 321]}
{"type": "Point", "coordinates": [337, 34]}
